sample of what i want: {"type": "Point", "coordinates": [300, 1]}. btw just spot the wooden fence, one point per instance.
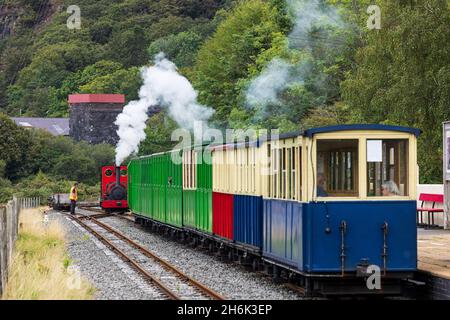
{"type": "Point", "coordinates": [9, 229]}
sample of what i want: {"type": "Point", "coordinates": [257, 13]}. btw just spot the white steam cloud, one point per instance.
{"type": "Point", "coordinates": [271, 81]}
{"type": "Point", "coordinates": [281, 74]}
{"type": "Point", "coordinates": [163, 86]}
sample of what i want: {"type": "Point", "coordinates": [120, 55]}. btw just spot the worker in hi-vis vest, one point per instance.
{"type": "Point", "coordinates": [73, 197]}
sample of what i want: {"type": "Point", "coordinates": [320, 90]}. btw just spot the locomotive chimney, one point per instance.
{"type": "Point", "coordinates": [118, 176]}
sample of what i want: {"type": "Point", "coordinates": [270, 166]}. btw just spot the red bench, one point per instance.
{"type": "Point", "coordinates": [431, 211]}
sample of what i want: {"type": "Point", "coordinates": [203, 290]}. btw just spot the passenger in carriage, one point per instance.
{"type": "Point", "coordinates": [321, 183]}
{"type": "Point", "coordinates": [389, 189]}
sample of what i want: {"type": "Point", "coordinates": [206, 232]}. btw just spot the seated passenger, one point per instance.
{"type": "Point", "coordinates": [389, 189]}
{"type": "Point", "coordinates": [321, 183]}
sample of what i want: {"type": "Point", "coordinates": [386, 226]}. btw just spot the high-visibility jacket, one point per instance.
{"type": "Point", "coordinates": [73, 194]}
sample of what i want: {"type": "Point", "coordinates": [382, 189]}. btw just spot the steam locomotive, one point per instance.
{"type": "Point", "coordinates": [114, 188]}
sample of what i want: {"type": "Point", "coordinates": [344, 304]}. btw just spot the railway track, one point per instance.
{"type": "Point", "coordinates": [170, 281]}
{"type": "Point", "coordinates": [100, 213]}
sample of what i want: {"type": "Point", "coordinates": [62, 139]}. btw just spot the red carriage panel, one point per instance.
{"type": "Point", "coordinates": [223, 215]}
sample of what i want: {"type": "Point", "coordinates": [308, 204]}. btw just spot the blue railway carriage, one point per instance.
{"type": "Point", "coordinates": [338, 200]}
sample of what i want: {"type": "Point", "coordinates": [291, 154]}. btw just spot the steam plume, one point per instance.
{"type": "Point", "coordinates": [163, 86]}
{"type": "Point", "coordinates": [281, 74]}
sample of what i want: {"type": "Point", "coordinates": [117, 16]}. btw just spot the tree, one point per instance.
{"type": "Point", "coordinates": [202, 8]}
{"type": "Point", "coordinates": [122, 81]}
{"type": "Point", "coordinates": [180, 48]}
{"type": "Point", "coordinates": [6, 190]}
{"type": "Point", "coordinates": [228, 57]}
{"type": "Point", "coordinates": [338, 113]}
{"type": "Point", "coordinates": [40, 58]}
{"type": "Point", "coordinates": [158, 134]}
{"type": "Point", "coordinates": [34, 90]}
{"type": "Point", "coordinates": [402, 75]}
{"type": "Point", "coordinates": [14, 145]}
{"type": "Point", "coordinates": [129, 46]}
{"type": "Point", "coordinates": [2, 168]}
{"type": "Point", "coordinates": [77, 168]}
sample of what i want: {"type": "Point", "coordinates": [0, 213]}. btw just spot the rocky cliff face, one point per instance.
{"type": "Point", "coordinates": [13, 16]}
{"type": "Point", "coordinates": [8, 19]}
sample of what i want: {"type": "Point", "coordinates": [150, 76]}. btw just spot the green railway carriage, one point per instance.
{"type": "Point", "coordinates": [174, 192]}
{"type": "Point", "coordinates": [197, 190]}
{"type": "Point", "coordinates": [177, 194]}
{"type": "Point", "coordinates": [155, 188]}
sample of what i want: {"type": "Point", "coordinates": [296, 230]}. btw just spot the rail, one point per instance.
{"type": "Point", "coordinates": [166, 265]}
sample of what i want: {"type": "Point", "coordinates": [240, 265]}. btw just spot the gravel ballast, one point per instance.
{"type": "Point", "coordinates": [116, 280]}
{"type": "Point", "coordinates": [112, 278]}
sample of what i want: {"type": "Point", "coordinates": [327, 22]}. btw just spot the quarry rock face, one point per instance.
{"type": "Point", "coordinates": [92, 117]}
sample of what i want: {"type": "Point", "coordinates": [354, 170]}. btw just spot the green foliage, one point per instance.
{"type": "Point", "coordinates": [338, 113]}
{"type": "Point", "coordinates": [74, 83]}
{"type": "Point", "coordinates": [402, 76]}
{"type": "Point", "coordinates": [14, 144]}
{"type": "Point", "coordinates": [42, 61]}
{"type": "Point", "coordinates": [2, 168]}
{"type": "Point", "coordinates": [123, 81]}
{"type": "Point", "coordinates": [128, 46]}
{"type": "Point", "coordinates": [75, 167]}
{"type": "Point", "coordinates": [158, 135]}
{"type": "Point", "coordinates": [229, 56]}
{"type": "Point", "coordinates": [55, 161]}
{"type": "Point", "coordinates": [43, 186]}
{"type": "Point", "coordinates": [27, 152]}
{"type": "Point", "coordinates": [80, 161]}
{"type": "Point", "coordinates": [6, 190]}
{"type": "Point", "coordinates": [180, 48]}
{"type": "Point", "coordinates": [396, 75]}
{"type": "Point", "coordinates": [32, 92]}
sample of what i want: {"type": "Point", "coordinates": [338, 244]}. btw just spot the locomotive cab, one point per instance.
{"type": "Point", "coordinates": [114, 188]}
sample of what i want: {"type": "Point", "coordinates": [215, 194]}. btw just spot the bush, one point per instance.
{"type": "Point", "coordinates": [6, 190]}
{"type": "Point", "coordinates": [2, 168]}
{"type": "Point", "coordinates": [44, 186]}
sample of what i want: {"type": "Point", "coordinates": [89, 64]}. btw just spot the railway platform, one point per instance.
{"type": "Point", "coordinates": [433, 248]}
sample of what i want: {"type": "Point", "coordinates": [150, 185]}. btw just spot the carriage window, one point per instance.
{"type": "Point", "coordinates": [337, 168]}
{"type": "Point", "coordinates": [387, 174]}
{"type": "Point", "coordinates": [189, 170]}
{"type": "Point", "coordinates": [285, 173]}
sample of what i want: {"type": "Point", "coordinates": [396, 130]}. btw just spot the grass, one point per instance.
{"type": "Point", "coordinates": [41, 268]}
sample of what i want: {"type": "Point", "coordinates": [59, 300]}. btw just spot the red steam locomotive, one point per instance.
{"type": "Point", "coordinates": [114, 188]}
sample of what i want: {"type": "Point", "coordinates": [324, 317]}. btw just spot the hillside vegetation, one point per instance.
{"type": "Point", "coordinates": [341, 73]}
{"type": "Point", "coordinates": [43, 61]}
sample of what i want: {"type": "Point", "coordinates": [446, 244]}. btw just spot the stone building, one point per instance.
{"type": "Point", "coordinates": [92, 117]}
